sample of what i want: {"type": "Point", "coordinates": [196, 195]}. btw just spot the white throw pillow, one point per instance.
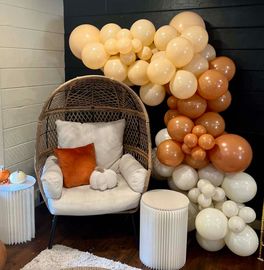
{"type": "Point", "coordinates": [133, 172]}
{"type": "Point", "coordinates": [102, 179]}
{"type": "Point", "coordinates": [106, 136]}
{"type": "Point", "coordinates": [52, 178]}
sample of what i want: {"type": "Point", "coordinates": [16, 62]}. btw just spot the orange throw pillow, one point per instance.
{"type": "Point", "coordinates": [76, 164]}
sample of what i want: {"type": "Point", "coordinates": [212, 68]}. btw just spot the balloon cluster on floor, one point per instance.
{"type": "Point", "coordinates": [193, 152]}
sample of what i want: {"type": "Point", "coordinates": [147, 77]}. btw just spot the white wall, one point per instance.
{"type": "Point", "coordinates": [31, 66]}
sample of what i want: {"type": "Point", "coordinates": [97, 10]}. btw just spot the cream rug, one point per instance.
{"type": "Point", "coordinates": [62, 257]}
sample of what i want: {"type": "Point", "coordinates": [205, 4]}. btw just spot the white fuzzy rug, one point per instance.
{"type": "Point", "coordinates": [61, 257]}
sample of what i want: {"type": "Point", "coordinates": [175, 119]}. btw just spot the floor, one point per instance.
{"type": "Point", "coordinates": [112, 237]}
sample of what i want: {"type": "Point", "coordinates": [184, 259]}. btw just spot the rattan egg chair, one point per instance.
{"type": "Point", "coordinates": [93, 99]}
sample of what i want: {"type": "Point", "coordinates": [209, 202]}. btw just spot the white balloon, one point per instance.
{"type": "Point", "coordinates": [210, 245]}
{"type": "Point", "coordinates": [240, 205]}
{"type": "Point", "coordinates": [184, 177]}
{"type": "Point", "coordinates": [230, 208]}
{"type": "Point", "coordinates": [192, 213]}
{"type": "Point", "coordinates": [193, 194]}
{"type": "Point", "coordinates": [236, 224]}
{"type": "Point", "coordinates": [244, 243]}
{"type": "Point", "coordinates": [173, 187]}
{"type": "Point", "coordinates": [212, 174]}
{"type": "Point", "coordinates": [211, 224]}
{"type": "Point", "coordinates": [239, 187]}
{"type": "Point", "coordinates": [161, 136]}
{"type": "Point", "coordinates": [218, 205]}
{"type": "Point", "coordinates": [152, 94]}
{"type": "Point", "coordinates": [208, 190]}
{"type": "Point", "coordinates": [202, 182]}
{"type": "Point", "coordinates": [204, 201]}
{"type": "Point", "coordinates": [219, 194]}
{"type": "Point", "coordinates": [247, 214]}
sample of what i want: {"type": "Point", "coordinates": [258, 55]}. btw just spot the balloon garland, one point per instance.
{"type": "Point", "coordinates": [193, 152]}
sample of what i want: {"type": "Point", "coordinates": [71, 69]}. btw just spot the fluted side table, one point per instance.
{"type": "Point", "coordinates": [163, 229]}
{"type": "Point", "coordinates": [17, 219]}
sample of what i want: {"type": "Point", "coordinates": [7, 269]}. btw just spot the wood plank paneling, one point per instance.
{"type": "Point", "coordinates": [25, 166]}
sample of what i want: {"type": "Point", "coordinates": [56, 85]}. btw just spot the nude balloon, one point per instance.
{"type": "Point", "coordinates": [160, 54]}
{"type": "Point", "coordinates": [123, 33]}
{"type": "Point", "coordinates": [186, 19]}
{"type": "Point", "coordinates": [124, 45]}
{"type": "Point", "coordinates": [145, 53]}
{"type": "Point", "coordinates": [80, 36]}
{"type": "Point", "coordinates": [128, 58]}
{"type": "Point", "coordinates": [152, 94]}
{"type": "Point", "coordinates": [115, 69]}
{"type": "Point", "coordinates": [111, 46]}
{"type": "Point", "coordinates": [225, 65]}
{"type": "Point", "coordinates": [221, 103]}
{"type": "Point", "coordinates": [160, 71]}
{"type": "Point", "coordinates": [137, 73]}
{"type": "Point", "coordinates": [169, 115]}
{"type": "Point", "coordinates": [136, 45]}
{"type": "Point", "coordinates": [198, 65]}
{"type": "Point", "coordinates": [163, 36]}
{"type": "Point", "coordinates": [208, 52]}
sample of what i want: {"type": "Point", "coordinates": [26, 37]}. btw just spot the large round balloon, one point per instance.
{"type": "Point", "coordinates": [210, 245]}
{"type": "Point", "coordinates": [124, 33]}
{"type": "Point", "coordinates": [115, 69]}
{"type": "Point", "coordinates": [169, 153]}
{"type": "Point", "coordinates": [80, 36]}
{"type": "Point", "coordinates": [152, 94]}
{"type": "Point", "coordinates": [179, 126]}
{"type": "Point", "coordinates": [109, 31]}
{"type": "Point", "coordinates": [161, 136]}
{"type": "Point", "coordinates": [195, 163]}
{"type": "Point", "coordinates": [221, 103]}
{"type": "Point", "coordinates": [137, 72]}
{"type": "Point", "coordinates": [210, 173]}
{"type": "Point", "coordinates": [163, 36]}
{"type": "Point", "coordinates": [169, 115]}
{"type": "Point", "coordinates": [231, 153]}
{"type": "Point", "coordinates": [198, 65]}
{"type": "Point", "coordinates": [212, 84]}
{"type": "Point", "coordinates": [192, 107]}
{"type": "Point", "coordinates": [213, 122]}
{"type": "Point", "coordinates": [225, 65]}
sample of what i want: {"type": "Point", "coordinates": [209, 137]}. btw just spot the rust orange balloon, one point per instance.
{"type": "Point", "coordinates": [231, 153]}
{"type": "Point", "coordinates": [206, 141]}
{"type": "Point", "coordinates": [212, 84]}
{"type": "Point", "coordinates": [169, 115]}
{"type": "Point", "coordinates": [199, 130]}
{"type": "Point", "coordinates": [179, 126]}
{"type": "Point", "coordinates": [192, 107]}
{"type": "Point", "coordinates": [213, 122]}
{"type": "Point", "coordinates": [186, 149]}
{"type": "Point", "coordinates": [196, 164]}
{"type": "Point", "coordinates": [172, 102]}
{"type": "Point", "coordinates": [190, 140]}
{"type": "Point", "coordinates": [169, 153]}
{"type": "Point", "coordinates": [220, 104]}
{"type": "Point", "coordinates": [225, 65]}
{"type": "Point", "coordinates": [198, 153]}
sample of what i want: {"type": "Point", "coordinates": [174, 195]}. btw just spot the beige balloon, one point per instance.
{"type": "Point", "coordinates": [164, 35]}
{"type": "Point", "coordinates": [109, 31]}
{"type": "Point", "coordinates": [128, 58]}
{"type": "Point", "coordinates": [160, 54]}
{"type": "Point", "coordinates": [111, 46]}
{"type": "Point", "coordinates": [179, 51]}
{"type": "Point", "coordinates": [198, 37]}
{"type": "Point", "coordinates": [137, 72]}
{"type": "Point", "coordinates": [186, 19]}
{"type": "Point", "coordinates": [198, 65]}
{"type": "Point", "coordinates": [124, 33]}
{"type": "Point", "coordinates": [124, 45]}
{"type": "Point", "coordinates": [115, 69]}
{"type": "Point", "coordinates": [145, 53]}
{"type": "Point", "coordinates": [183, 85]}
{"type": "Point", "coordinates": [128, 82]}
{"type": "Point", "coordinates": [94, 55]}
{"type": "Point", "coordinates": [160, 71]}
{"type": "Point", "coordinates": [136, 45]}
{"type": "Point", "coordinates": [152, 94]}
{"type": "Point", "coordinates": [80, 36]}
{"type": "Point", "coordinates": [208, 52]}
{"type": "Point", "coordinates": [153, 48]}
{"type": "Point", "coordinates": [144, 30]}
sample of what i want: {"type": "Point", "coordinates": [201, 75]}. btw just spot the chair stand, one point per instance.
{"type": "Point", "coordinates": [52, 232]}
{"type": "Point", "coordinates": [135, 231]}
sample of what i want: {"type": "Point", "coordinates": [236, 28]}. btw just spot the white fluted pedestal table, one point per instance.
{"type": "Point", "coordinates": [17, 213]}
{"type": "Point", "coordinates": [163, 229]}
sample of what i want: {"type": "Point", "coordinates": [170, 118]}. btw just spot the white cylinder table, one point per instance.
{"type": "Point", "coordinates": [17, 218]}
{"type": "Point", "coordinates": [163, 229]}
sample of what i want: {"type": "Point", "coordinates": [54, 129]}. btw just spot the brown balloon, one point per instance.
{"type": "Point", "coordinates": [190, 140]}
{"type": "Point", "coordinates": [169, 115]}
{"type": "Point", "coordinates": [192, 107]}
{"type": "Point", "coordinates": [199, 130]}
{"type": "Point", "coordinates": [225, 65]}
{"type": "Point", "coordinates": [198, 153]}
{"type": "Point", "coordinates": [186, 149]}
{"type": "Point", "coordinates": [179, 126]}
{"type": "Point", "coordinates": [169, 153]}
{"type": "Point", "coordinates": [196, 164]}
{"type": "Point", "coordinates": [206, 141]}
{"type": "Point", "coordinates": [220, 104]}
{"type": "Point", "coordinates": [212, 84]}
{"type": "Point", "coordinates": [172, 102]}
{"type": "Point", "coordinates": [213, 122]}
{"type": "Point", "coordinates": [232, 153]}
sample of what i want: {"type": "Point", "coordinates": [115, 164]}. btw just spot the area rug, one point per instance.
{"type": "Point", "coordinates": [62, 257]}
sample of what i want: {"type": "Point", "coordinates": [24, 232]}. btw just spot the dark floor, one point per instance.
{"type": "Point", "coordinates": [112, 237]}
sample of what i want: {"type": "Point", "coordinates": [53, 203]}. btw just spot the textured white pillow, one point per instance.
{"type": "Point", "coordinates": [106, 136]}
{"type": "Point", "coordinates": [133, 172]}
{"type": "Point", "coordinates": [52, 178]}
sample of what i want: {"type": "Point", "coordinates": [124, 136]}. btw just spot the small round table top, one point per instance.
{"type": "Point", "coordinates": [30, 181]}
{"type": "Point", "coordinates": [85, 268]}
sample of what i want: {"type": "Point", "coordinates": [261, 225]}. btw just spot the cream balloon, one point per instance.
{"type": "Point", "coordinates": [202, 182]}
{"type": "Point", "coordinates": [244, 243]}
{"type": "Point", "coordinates": [115, 69]}
{"type": "Point", "coordinates": [94, 55]}
{"type": "Point", "coordinates": [145, 53]}
{"type": "Point", "coordinates": [186, 19]}
{"type": "Point", "coordinates": [160, 71]}
{"type": "Point", "coordinates": [163, 36]}
{"type": "Point", "coordinates": [136, 45]}
{"type": "Point", "coordinates": [128, 58]}
{"type": "Point", "coordinates": [180, 51]}
{"type": "Point", "coordinates": [219, 194]}
{"type": "Point", "coordinates": [144, 30]}
{"type": "Point", "coordinates": [208, 52]}
{"type": "Point", "coordinates": [161, 136]}
{"type": "Point", "coordinates": [183, 85]}
{"type": "Point", "coordinates": [193, 194]}
{"type": "Point", "coordinates": [124, 45]}
{"type": "Point", "coordinates": [198, 65]}
{"type": "Point", "coordinates": [236, 224]}
{"type": "Point", "coordinates": [111, 46]}
{"type": "Point", "coordinates": [247, 214]}
{"type": "Point", "coordinates": [137, 72]}
{"type": "Point", "coordinates": [154, 158]}
{"type": "Point", "coordinates": [109, 31]}
{"type": "Point", "coordinates": [229, 208]}
{"type": "Point", "coordinates": [212, 174]}
{"type": "Point", "coordinates": [204, 201]}
{"type": "Point", "coordinates": [80, 36]}
{"type": "Point", "coordinates": [198, 36]}
{"type": "Point", "coordinates": [123, 33]}
{"type": "Point", "coordinates": [210, 245]}
{"type": "Point", "coordinates": [211, 224]}
{"type": "Point", "coordinates": [152, 94]}
{"type": "Point", "coordinates": [161, 54]}
{"type": "Point", "coordinates": [208, 190]}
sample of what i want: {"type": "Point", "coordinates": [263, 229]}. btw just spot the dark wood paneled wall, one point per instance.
{"type": "Point", "coordinates": [236, 29]}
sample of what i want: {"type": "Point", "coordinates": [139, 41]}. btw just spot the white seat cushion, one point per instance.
{"type": "Point", "coordinates": [81, 201]}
